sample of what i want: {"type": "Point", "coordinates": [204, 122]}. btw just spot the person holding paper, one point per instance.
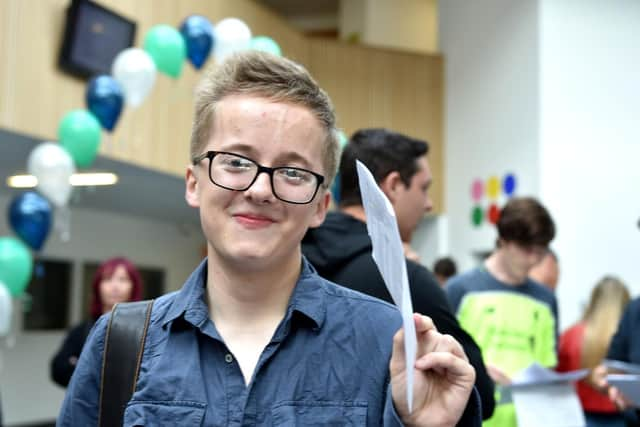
{"type": "Point", "coordinates": [341, 249]}
{"type": "Point", "coordinates": [624, 347]}
{"type": "Point", "coordinates": [585, 344]}
{"type": "Point", "coordinates": [255, 336]}
{"type": "Point", "coordinates": [512, 318]}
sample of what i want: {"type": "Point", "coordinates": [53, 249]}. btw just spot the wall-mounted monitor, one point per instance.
{"type": "Point", "coordinates": [93, 37]}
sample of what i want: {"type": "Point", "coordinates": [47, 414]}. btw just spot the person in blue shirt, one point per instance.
{"type": "Point", "coordinates": [255, 336]}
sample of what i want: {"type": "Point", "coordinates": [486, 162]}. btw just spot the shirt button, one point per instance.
{"type": "Point", "coordinates": [228, 358]}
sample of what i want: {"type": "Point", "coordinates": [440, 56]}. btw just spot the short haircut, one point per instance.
{"type": "Point", "coordinates": [526, 221]}
{"type": "Point", "coordinates": [382, 151]}
{"type": "Point", "coordinates": [445, 267]}
{"type": "Point", "coordinates": [271, 77]}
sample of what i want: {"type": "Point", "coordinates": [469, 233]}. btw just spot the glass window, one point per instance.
{"type": "Point", "coordinates": [46, 305]}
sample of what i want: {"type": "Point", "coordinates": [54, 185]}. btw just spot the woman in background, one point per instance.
{"type": "Point", "coordinates": [585, 345]}
{"type": "Point", "coordinates": [116, 280]}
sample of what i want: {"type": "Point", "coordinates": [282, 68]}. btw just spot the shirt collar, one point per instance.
{"type": "Point", "coordinates": [308, 298]}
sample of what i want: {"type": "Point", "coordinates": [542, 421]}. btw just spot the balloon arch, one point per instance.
{"type": "Point", "coordinates": [133, 74]}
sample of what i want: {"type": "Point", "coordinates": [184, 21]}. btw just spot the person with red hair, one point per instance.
{"type": "Point", "coordinates": [116, 280]}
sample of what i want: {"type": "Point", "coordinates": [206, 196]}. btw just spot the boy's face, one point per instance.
{"type": "Point", "coordinates": [521, 258]}
{"type": "Point", "coordinates": [253, 228]}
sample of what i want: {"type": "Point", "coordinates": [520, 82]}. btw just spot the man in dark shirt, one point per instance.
{"type": "Point", "coordinates": [255, 336]}
{"type": "Point", "coordinates": [340, 249]}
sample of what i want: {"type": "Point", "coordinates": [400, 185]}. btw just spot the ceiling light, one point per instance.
{"type": "Point", "coordinates": [76, 180]}
{"type": "Point", "coordinates": [22, 181]}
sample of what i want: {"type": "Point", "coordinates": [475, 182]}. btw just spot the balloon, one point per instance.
{"type": "Point", "coordinates": [6, 310]}
{"type": "Point", "coordinates": [198, 35]}
{"type": "Point", "coordinates": [135, 70]}
{"type": "Point", "coordinates": [80, 133]}
{"type": "Point", "coordinates": [53, 167]}
{"type": "Point", "coordinates": [104, 99]}
{"type": "Point", "coordinates": [16, 265]}
{"type": "Point", "coordinates": [265, 44]}
{"type": "Point", "coordinates": [167, 48]}
{"type": "Point", "coordinates": [30, 218]}
{"type": "Point", "coordinates": [342, 139]}
{"type": "Point", "coordinates": [335, 188]}
{"type": "Point", "coordinates": [231, 35]}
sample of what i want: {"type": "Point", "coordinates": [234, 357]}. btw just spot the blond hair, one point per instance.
{"type": "Point", "coordinates": [271, 77]}
{"type": "Point", "coordinates": [608, 300]}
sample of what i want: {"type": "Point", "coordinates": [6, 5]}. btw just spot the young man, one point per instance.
{"type": "Point", "coordinates": [255, 336]}
{"type": "Point", "coordinates": [341, 248]}
{"type": "Point", "coordinates": [513, 318]}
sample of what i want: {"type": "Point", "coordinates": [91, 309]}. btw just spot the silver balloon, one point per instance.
{"type": "Point", "coordinates": [231, 35]}
{"type": "Point", "coordinates": [6, 310]}
{"type": "Point", "coordinates": [136, 72]}
{"type": "Point", "coordinates": [52, 166]}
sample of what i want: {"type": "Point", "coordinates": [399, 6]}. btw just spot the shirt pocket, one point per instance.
{"type": "Point", "coordinates": [329, 413]}
{"type": "Point", "coordinates": [160, 413]}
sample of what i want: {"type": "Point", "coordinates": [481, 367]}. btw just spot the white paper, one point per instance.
{"type": "Point", "coordinates": [628, 384]}
{"type": "Point", "coordinates": [548, 405]}
{"type": "Point", "coordinates": [625, 367]}
{"type": "Point", "coordinates": [388, 255]}
{"type": "Point", "coordinates": [536, 374]}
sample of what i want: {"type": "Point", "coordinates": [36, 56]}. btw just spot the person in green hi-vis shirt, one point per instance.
{"type": "Point", "coordinates": [511, 317]}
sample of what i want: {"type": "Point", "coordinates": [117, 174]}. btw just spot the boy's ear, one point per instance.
{"type": "Point", "coordinates": [191, 188]}
{"type": "Point", "coordinates": [389, 185]}
{"type": "Point", "coordinates": [321, 210]}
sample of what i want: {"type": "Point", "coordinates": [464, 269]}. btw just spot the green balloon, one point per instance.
{"type": "Point", "coordinates": [342, 139]}
{"type": "Point", "coordinates": [16, 265]}
{"type": "Point", "coordinates": [79, 133]}
{"type": "Point", "coordinates": [168, 49]}
{"type": "Point", "coordinates": [265, 44]}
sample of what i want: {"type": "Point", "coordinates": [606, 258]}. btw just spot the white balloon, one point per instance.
{"type": "Point", "coordinates": [231, 35]}
{"type": "Point", "coordinates": [53, 166]}
{"type": "Point", "coordinates": [136, 72]}
{"type": "Point", "coordinates": [6, 310]}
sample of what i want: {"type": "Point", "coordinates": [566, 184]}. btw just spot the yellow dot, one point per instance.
{"type": "Point", "coordinates": [493, 187]}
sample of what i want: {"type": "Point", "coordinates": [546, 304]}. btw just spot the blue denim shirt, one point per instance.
{"type": "Point", "coordinates": [327, 364]}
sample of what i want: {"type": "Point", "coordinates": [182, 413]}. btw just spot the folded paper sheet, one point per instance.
{"type": "Point", "coordinates": [388, 255]}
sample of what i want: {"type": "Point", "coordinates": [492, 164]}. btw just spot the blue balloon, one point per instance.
{"type": "Point", "coordinates": [30, 218]}
{"type": "Point", "coordinates": [335, 189]}
{"type": "Point", "coordinates": [105, 99]}
{"type": "Point", "coordinates": [198, 35]}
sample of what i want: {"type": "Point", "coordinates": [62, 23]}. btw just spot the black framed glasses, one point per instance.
{"type": "Point", "coordinates": [235, 172]}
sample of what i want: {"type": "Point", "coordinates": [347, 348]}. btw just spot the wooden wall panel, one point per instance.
{"type": "Point", "coordinates": [34, 95]}
{"type": "Point", "coordinates": [370, 87]}
{"type": "Point", "coordinates": [380, 88]}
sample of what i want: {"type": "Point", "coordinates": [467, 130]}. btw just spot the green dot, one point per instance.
{"type": "Point", "coordinates": [476, 216]}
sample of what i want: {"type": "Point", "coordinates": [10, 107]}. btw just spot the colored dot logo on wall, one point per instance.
{"type": "Point", "coordinates": [488, 196]}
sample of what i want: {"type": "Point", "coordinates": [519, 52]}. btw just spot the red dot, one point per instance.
{"type": "Point", "coordinates": [493, 214]}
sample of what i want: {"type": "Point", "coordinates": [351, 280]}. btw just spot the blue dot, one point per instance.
{"type": "Point", "coordinates": [509, 184]}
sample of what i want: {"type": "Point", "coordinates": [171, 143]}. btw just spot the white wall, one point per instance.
{"type": "Point", "coordinates": [26, 392]}
{"type": "Point", "coordinates": [491, 108]}
{"type": "Point", "coordinates": [590, 141]}
{"type": "Point", "coordinates": [431, 240]}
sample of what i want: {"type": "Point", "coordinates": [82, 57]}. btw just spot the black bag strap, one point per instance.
{"type": "Point", "coordinates": [123, 348]}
